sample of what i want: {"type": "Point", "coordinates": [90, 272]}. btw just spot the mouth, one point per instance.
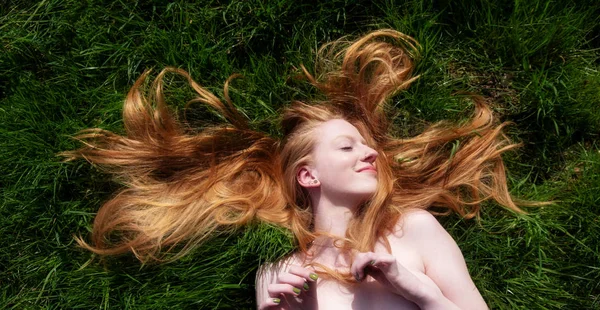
{"type": "Point", "coordinates": [367, 170]}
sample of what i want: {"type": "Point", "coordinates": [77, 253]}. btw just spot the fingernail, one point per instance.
{"type": "Point", "coordinates": [296, 290]}
{"type": "Point", "coordinates": [276, 300]}
{"type": "Point", "coordinates": [306, 287]}
{"type": "Point", "coordinates": [314, 276]}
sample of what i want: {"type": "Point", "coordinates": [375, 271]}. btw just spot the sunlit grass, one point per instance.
{"type": "Point", "coordinates": [66, 65]}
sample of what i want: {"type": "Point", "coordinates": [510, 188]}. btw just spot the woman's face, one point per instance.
{"type": "Point", "coordinates": [342, 162]}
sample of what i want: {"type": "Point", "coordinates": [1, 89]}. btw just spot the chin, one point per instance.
{"type": "Point", "coordinates": [368, 194]}
{"type": "Point", "coordinates": [363, 191]}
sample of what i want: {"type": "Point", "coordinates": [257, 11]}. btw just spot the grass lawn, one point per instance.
{"type": "Point", "coordinates": [66, 65]}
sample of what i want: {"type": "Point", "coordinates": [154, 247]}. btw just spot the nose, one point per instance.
{"type": "Point", "coordinates": [370, 155]}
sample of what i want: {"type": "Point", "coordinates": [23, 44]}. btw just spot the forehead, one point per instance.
{"type": "Point", "coordinates": [332, 129]}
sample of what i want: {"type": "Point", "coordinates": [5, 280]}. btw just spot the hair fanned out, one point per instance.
{"type": "Point", "coordinates": [181, 187]}
{"type": "Point", "coordinates": [184, 187]}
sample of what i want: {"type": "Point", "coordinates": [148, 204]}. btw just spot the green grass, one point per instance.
{"type": "Point", "coordinates": [66, 65]}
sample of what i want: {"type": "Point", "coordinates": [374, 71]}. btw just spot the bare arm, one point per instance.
{"type": "Point", "coordinates": [443, 261]}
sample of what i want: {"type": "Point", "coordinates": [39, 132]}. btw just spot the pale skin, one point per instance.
{"type": "Point", "coordinates": [425, 269]}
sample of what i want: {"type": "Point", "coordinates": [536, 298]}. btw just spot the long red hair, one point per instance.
{"type": "Point", "coordinates": [182, 186]}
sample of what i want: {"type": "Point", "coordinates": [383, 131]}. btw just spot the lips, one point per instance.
{"type": "Point", "coordinates": [370, 169]}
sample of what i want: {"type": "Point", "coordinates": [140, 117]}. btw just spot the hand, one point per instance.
{"type": "Point", "coordinates": [386, 270]}
{"type": "Point", "coordinates": [294, 289]}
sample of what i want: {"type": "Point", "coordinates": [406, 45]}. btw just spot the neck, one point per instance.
{"type": "Point", "coordinates": [331, 216]}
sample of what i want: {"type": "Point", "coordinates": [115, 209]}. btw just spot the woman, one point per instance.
{"type": "Point", "coordinates": [425, 267]}
{"type": "Point", "coordinates": [353, 195]}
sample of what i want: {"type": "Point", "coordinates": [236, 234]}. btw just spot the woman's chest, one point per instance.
{"type": "Point", "coordinates": [369, 294]}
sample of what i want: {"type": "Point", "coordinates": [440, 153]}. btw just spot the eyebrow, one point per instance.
{"type": "Point", "coordinates": [363, 141]}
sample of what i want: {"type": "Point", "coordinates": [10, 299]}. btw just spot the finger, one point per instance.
{"type": "Point", "coordinates": [383, 262]}
{"type": "Point", "coordinates": [270, 303]}
{"type": "Point", "coordinates": [378, 275]}
{"type": "Point", "coordinates": [279, 289]}
{"type": "Point", "coordinates": [389, 266]}
{"type": "Point", "coordinates": [309, 294]}
{"type": "Point", "coordinates": [306, 273]}
{"type": "Point", "coordinates": [370, 259]}
{"type": "Point", "coordinates": [361, 260]}
{"type": "Point", "coordinates": [294, 280]}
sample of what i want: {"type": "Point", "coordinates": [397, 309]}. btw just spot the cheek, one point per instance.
{"type": "Point", "coordinates": [340, 165]}
{"type": "Point", "coordinates": [333, 171]}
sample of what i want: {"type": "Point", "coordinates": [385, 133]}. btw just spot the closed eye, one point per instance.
{"type": "Point", "coordinates": [347, 148]}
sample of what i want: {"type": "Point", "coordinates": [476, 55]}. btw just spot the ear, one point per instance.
{"type": "Point", "coordinates": [307, 177]}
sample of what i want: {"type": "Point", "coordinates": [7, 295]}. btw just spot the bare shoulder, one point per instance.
{"type": "Point", "coordinates": [441, 256]}
{"type": "Point", "coordinates": [417, 215]}
{"type": "Point", "coordinates": [418, 224]}
{"type": "Point", "coordinates": [420, 230]}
